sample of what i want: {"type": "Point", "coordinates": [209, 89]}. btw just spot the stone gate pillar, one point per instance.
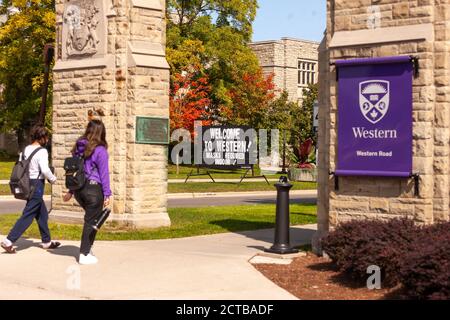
{"type": "Point", "coordinates": [110, 59]}
{"type": "Point", "coordinates": [373, 28]}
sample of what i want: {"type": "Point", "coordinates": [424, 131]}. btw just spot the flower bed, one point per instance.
{"type": "Point", "coordinates": [415, 257]}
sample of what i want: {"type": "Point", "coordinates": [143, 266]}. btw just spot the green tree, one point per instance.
{"type": "Point", "coordinates": [294, 120]}
{"type": "Point", "coordinates": [28, 27]}
{"type": "Point", "coordinates": [302, 136]}
{"type": "Point", "coordinates": [303, 118]}
{"type": "Point", "coordinates": [188, 15]}
{"type": "Point", "coordinates": [281, 114]}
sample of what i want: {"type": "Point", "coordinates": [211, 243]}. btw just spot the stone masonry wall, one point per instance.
{"type": "Point", "coordinates": [385, 198]}
{"type": "Point", "coordinates": [281, 58]}
{"type": "Point", "coordinates": [293, 51]}
{"type": "Point", "coordinates": [132, 80]}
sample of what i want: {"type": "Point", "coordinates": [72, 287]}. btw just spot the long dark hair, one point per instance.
{"type": "Point", "coordinates": [95, 135]}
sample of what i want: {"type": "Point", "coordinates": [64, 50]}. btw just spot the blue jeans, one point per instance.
{"type": "Point", "coordinates": [34, 209]}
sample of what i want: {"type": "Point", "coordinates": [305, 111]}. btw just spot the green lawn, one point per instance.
{"type": "Point", "coordinates": [207, 186]}
{"type": "Point", "coordinates": [216, 173]}
{"type": "Point", "coordinates": [186, 222]}
{"type": "Point", "coordinates": [5, 191]}
{"type": "Point", "coordinates": [5, 169]}
{"type": "Point", "coordinates": [233, 187]}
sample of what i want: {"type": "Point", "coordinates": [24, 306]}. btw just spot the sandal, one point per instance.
{"type": "Point", "coordinates": [8, 249]}
{"type": "Point", "coordinates": [54, 245]}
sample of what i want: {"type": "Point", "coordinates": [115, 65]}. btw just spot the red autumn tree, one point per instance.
{"type": "Point", "coordinates": [189, 100]}
{"type": "Point", "coordinates": [250, 100]}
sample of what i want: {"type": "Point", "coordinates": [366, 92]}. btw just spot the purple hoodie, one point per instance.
{"type": "Point", "coordinates": [96, 166]}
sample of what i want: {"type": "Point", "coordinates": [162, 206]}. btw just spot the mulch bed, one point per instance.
{"type": "Point", "coordinates": [316, 278]}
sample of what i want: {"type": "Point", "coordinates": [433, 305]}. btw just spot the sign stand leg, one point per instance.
{"type": "Point", "coordinates": [253, 176]}
{"type": "Point", "coordinates": [244, 176]}
{"type": "Point", "coordinates": [210, 176]}
{"type": "Point", "coordinates": [190, 174]}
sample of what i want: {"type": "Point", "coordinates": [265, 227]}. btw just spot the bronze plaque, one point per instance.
{"type": "Point", "coordinates": [151, 130]}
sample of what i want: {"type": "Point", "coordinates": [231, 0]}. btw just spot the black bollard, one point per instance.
{"type": "Point", "coordinates": [281, 244]}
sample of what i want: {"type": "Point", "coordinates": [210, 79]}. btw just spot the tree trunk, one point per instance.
{"type": "Point", "coordinates": [21, 139]}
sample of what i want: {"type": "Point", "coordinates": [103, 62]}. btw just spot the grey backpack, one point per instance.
{"type": "Point", "coordinates": [20, 177]}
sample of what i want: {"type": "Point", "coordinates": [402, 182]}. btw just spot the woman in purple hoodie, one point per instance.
{"type": "Point", "coordinates": [95, 194]}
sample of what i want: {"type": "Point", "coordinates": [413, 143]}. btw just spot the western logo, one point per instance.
{"type": "Point", "coordinates": [374, 99]}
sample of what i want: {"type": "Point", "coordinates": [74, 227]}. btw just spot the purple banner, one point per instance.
{"type": "Point", "coordinates": [375, 117]}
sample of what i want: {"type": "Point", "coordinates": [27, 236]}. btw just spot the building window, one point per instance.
{"type": "Point", "coordinates": [306, 72]}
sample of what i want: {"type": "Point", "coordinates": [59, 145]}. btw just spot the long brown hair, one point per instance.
{"type": "Point", "coordinates": [95, 135]}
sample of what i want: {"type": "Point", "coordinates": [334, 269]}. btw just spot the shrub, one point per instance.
{"type": "Point", "coordinates": [416, 257]}
{"type": "Point", "coordinates": [356, 245]}
{"type": "Point", "coordinates": [425, 269]}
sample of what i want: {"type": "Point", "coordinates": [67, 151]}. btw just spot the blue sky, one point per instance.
{"type": "Point", "coordinates": [304, 19]}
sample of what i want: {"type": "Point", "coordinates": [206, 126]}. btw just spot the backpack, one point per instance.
{"type": "Point", "coordinates": [19, 182]}
{"type": "Point", "coordinates": [75, 176]}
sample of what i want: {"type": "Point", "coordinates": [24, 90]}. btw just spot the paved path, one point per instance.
{"type": "Point", "coordinates": [236, 180]}
{"type": "Point", "coordinates": [205, 267]}
{"type": "Point", "coordinates": [9, 205]}
{"type": "Point", "coordinates": [240, 199]}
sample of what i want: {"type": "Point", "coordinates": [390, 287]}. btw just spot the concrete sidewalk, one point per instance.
{"type": "Point", "coordinates": [205, 267]}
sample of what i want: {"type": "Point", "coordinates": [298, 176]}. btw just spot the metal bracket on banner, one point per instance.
{"type": "Point", "coordinates": [336, 181]}
{"type": "Point", "coordinates": [416, 177]}
{"type": "Point", "coordinates": [416, 66]}
{"type": "Point", "coordinates": [336, 69]}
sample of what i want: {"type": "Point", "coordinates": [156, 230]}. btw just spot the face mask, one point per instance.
{"type": "Point", "coordinates": [45, 144]}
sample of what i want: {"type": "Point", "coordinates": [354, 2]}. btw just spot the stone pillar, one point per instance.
{"type": "Point", "coordinates": [110, 59]}
{"type": "Point", "coordinates": [362, 29]}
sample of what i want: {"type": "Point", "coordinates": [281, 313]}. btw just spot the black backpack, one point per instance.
{"type": "Point", "coordinates": [20, 177]}
{"type": "Point", "coordinates": [75, 176]}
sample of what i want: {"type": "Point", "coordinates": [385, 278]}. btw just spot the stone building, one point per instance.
{"type": "Point", "coordinates": [113, 64]}
{"type": "Point", "coordinates": [293, 62]}
{"type": "Point", "coordinates": [365, 29]}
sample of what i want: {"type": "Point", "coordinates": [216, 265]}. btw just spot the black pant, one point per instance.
{"type": "Point", "coordinates": [91, 200]}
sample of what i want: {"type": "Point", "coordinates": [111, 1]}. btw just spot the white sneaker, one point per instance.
{"type": "Point", "coordinates": [89, 259]}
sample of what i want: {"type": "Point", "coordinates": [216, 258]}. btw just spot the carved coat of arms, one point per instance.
{"type": "Point", "coordinates": [81, 19]}
{"type": "Point", "coordinates": [374, 99]}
